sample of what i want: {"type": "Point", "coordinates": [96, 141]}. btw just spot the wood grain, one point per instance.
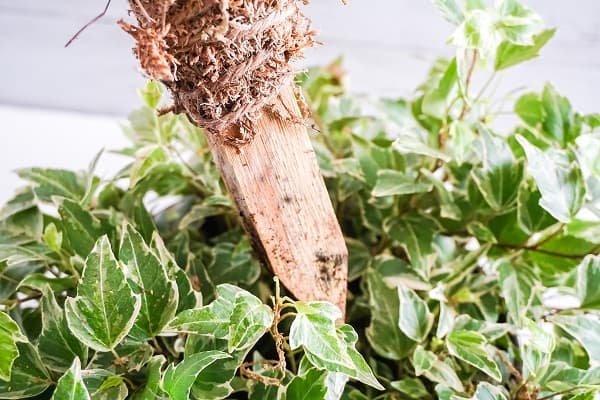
{"type": "Point", "coordinates": [277, 186]}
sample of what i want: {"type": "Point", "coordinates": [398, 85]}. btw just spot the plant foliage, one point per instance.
{"type": "Point", "coordinates": [474, 271]}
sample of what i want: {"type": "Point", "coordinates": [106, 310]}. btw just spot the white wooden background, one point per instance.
{"type": "Point", "coordinates": [58, 106]}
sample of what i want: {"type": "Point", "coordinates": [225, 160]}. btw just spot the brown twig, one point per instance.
{"type": "Point", "coordinates": [566, 391]}
{"type": "Point", "coordinates": [247, 372]}
{"type": "Point", "coordinates": [96, 18]}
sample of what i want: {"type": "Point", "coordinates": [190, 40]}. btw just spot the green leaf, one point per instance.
{"type": "Point", "coordinates": [178, 380]}
{"type": "Point", "coordinates": [309, 386]}
{"type": "Point", "coordinates": [583, 328]}
{"type": "Point", "coordinates": [314, 329]}
{"type": "Point", "coordinates": [104, 385]}
{"type": "Point", "coordinates": [451, 10]}
{"type": "Point", "coordinates": [201, 321]}
{"type": "Point", "coordinates": [106, 307]}
{"type": "Point", "coordinates": [210, 207]}
{"type": "Point", "coordinates": [391, 182]}
{"type": "Point", "coordinates": [486, 391]}
{"type": "Point", "coordinates": [532, 218]}
{"type": "Point", "coordinates": [588, 282]}
{"type": "Point", "coordinates": [10, 334]}
{"type": "Point", "coordinates": [152, 93]}
{"type": "Point", "coordinates": [491, 330]}
{"type": "Point", "coordinates": [148, 278]}
{"type": "Point", "coordinates": [12, 275]}
{"type": "Point", "coordinates": [517, 284]}
{"type": "Point", "coordinates": [23, 200]}
{"type": "Point", "coordinates": [477, 32]}
{"type": "Point", "coordinates": [559, 123]}
{"type": "Point", "coordinates": [23, 253]}
{"type": "Point", "coordinates": [439, 97]}
{"type": "Point", "coordinates": [361, 370]}
{"type": "Point", "coordinates": [518, 24]}
{"type": "Point", "coordinates": [411, 387]}
{"type": "Point", "coordinates": [152, 389]}
{"type": "Point", "coordinates": [448, 207]}
{"type": "Point", "coordinates": [70, 386]}
{"type": "Point", "coordinates": [586, 230]}
{"type": "Point", "coordinates": [29, 376]}
{"type": "Point", "coordinates": [54, 182]}
{"type": "Point", "coordinates": [427, 364]}
{"type": "Point", "coordinates": [561, 376]}
{"type": "Point", "coordinates": [406, 144]}
{"type": "Point", "coordinates": [53, 237]}
{"type": "Point", "coordinates": [461, 141]}
{"type": "Point", "coordinates": [80, 228]}
{"type": "Point", "coordinates": [384, 333]}
{"type": "Point", "coordinates": [250, 320]}
{"type": "Point", "coordinates": [187, 296]}
{"type": "Point", "coordinates": [146, 159]}
{"type": "Point", "coordinates": [499, 178]}
{"type": "Point", "coordinates": [530, 109]}
{"type": "Point", "coordinates": [218, 381]}
{"type": "Point", "coordinates": [133, 355]}
{"type": "Point", "coordinates": [235, 315]}
{"type": "Point", "coordinates": [510, 54]}
{"type": "Point", "coordinates": [559, 180]}
{"type": "Point", "coordinates": [537, 346]}
{"type": "Point", "coordinates": [57, 346]}
{"type": "Point", "coordinates": [233, 263]}
{"type": "Point", "coordinates": [38, 281]}
{"type": "Point", "coordinates": [470, 347]}
{"type": "Point", "coordinates": [415, 235]}
{"type": "Point", "coordinates": [415, 319]}
{"type": "Point", "coordinates": [324, 346]}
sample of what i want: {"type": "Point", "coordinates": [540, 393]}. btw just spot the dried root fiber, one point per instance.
{"type": "Point", "coordinates": [224, 61]}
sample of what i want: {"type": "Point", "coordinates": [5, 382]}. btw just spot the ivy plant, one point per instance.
{"type": "Point", "coordinates": [474, 268]}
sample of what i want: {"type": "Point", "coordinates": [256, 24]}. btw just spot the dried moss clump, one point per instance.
{"type": "Point", "coordinates": [223, 60]}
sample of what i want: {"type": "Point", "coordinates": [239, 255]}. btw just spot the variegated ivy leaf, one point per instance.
{"type": "Point", "coordinates": [152, 389]}
{"type": "Point", "coordinates": [105, 308]}
{"type": "Point", "coordinates": [486, 391]}
{"type": "Point", "coordinates": [10, 335]}
{"type": "Point", "coordinates": [471, 348]}
{"type": "Point", "coordinates": [235, 315]}
{"type": "Point", "coordinates": [384, 332]}
{"type": "Point", "coordinates": [104, 385]}
{"type": "Point", "coordinates": [250, 320]}
{"type": "Point", "coordinates": [310, 385]}
{"type": "Point", "coordinates": [499, 177]}
{"type": "Point", "coordinates": [585, 329]}
{"type": "Point", "coordinates": [187, 296]}
{"type": "Point", "coordinates": [178, 380]}
{"type": "Point", "coordinates": [57, 345]}
{"type": "Point", "coordinates": [325, 346]}
{"type": "Point", "coordinates": [29, 377]}
{"type": "Point", "coordinates": [415, 319]}
{"type": "Point", "coordinates": [426, 363]}
{"type": "Point", "coordinates": [149, 279]}
{"type": "Point", "coordinates": [70, 386]}
{"type": "Point", "coordinates": [588, 282]}
{"type": "Point", "coordinates": [559, 179]}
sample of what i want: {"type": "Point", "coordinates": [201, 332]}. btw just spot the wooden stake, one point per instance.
{"type": "Point", "coordinates": [277, 186]}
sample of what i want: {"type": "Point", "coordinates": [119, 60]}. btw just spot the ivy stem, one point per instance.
{"type": "Point", "coordinates": [485, 86]}
{"type": "Point", "coordinates": [566, 391]}
{"type": "Point", "coordinates": [115, 354]}
{"type": "Point", "coordinates": [470, 71]}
